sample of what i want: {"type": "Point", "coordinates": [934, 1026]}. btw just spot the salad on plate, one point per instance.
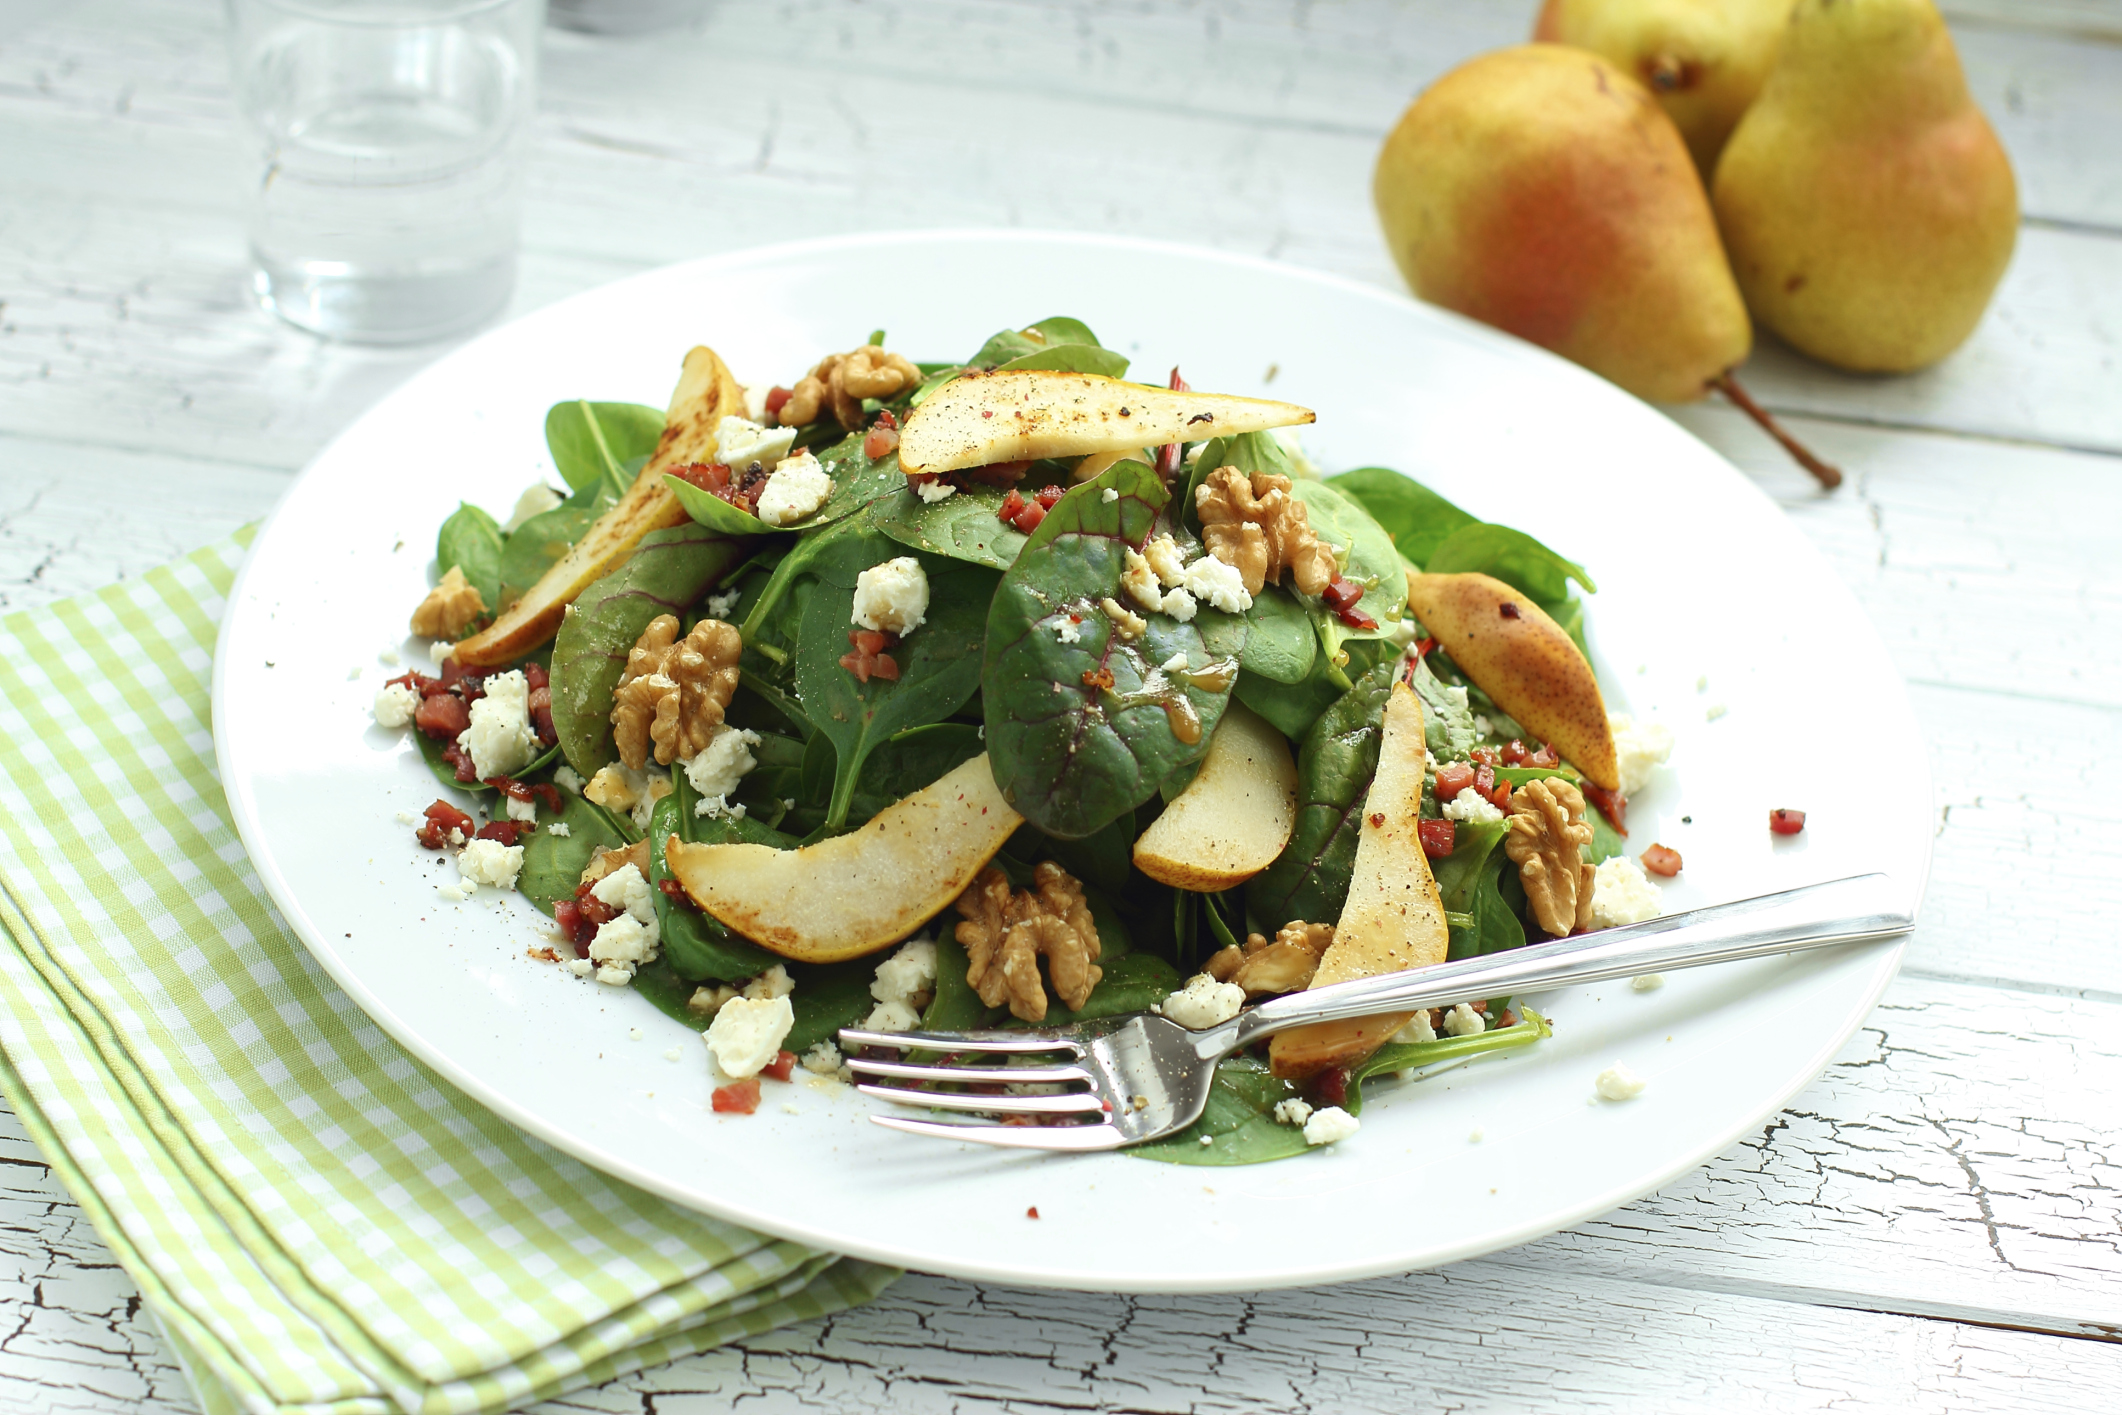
{"type": "Point", "coordinates": [1013, 693]}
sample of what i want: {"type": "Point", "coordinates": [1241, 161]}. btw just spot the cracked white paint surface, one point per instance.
{"type": "Point", "coordinates": [1953, 1175]}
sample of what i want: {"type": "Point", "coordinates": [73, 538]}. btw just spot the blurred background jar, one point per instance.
{"type": "Point", "coordinates": [388, 197]}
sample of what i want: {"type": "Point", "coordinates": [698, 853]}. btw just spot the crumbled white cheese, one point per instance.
{"type": "Point", "coordinates": [1640, 748]}
{"type": "Point", "coordinates": [935, 491]}
{"type": "Point", "coordinates": [1126, 623]}
{"type": "Point", "coordinates": [536, 500]}
{"type": "Point", "coordinates": [458, 890]}
{"type": "Point", "coordinates": [755, 396]}
{"type": "Point", "coordinates": [719, 606]}
{"type": "Point", "coordinates": [673, 1054]}
{"type": "Point", "coordinates": [408, 818]}
{"type": "Point", "coordinates": [635, 1034]}
{"type": "Point", "coordinates": [908, 976]}
{"type": "Point", "coordinates": [1330, 1126]}
{"type": "Point", "coordinates": [1140, 581]}
{"type": "Point", "coordinates": [559, 828]}
{"type": "Point", "coordinates": [795, 491]}
{"type": "Point", "coordinates": [1166, 560]}
{"type": "Point", "coordinates": [626, 889]}
{"type": "Point", "coordinates": [1623, 894]}
{"type": "Point", "coordinates": [1416, 1030]}
{"type": "Point", "coordinates": [774, 982]}
{"type": "Point", "coordinates": [1618, 1083]}
{"type": "Point", "coordinates": [581, 967]}
{"type": "Point", "coordinates": [892, 1017]}
{"type": "Point", "coordinates": [619, 787]}
{"type": "Point", "coordinates": [1180, 605]}
{"type": "Point", "coordinates": [616, 975]}
{"type": "Point", "coordinates": [395, 705]}
{"type": "Point", "coordinates": [1067, 630]}
{"type": "Point", "coordinates": [1715, 711]}
{"type": "Point", "coordinates": [1476, 1137]}
{"type": "Point", "coordinates": [716, 769]}
{"type": "Point", "coordinates": [739, 442]}
{"type": "Point", "coordinates": [388, 655]}
{"type": "Point", "coordinates": [1483, 727]}
{"type": "Point", "coordinates": [822, 1060]}
{"type": "Point", "coordinates": [500, 740]}
{"type": "Point", "coordinates": [1292, 1111]}
{"type": "Point", "coordinates": [623, 942]}
{"type": "Point", "coordinates": [892, 597]}
{"type": "Point", "coordinates": [1702, 684]}
{"type": "Point", "coordinates": [1210, 580]}
{"type": "Point", "coordinates": [439, 651]}
{"type": "Point", "coordinates": [706, 1001]}
{"type": "Point", "coordinates": [1647, 982]}
{"type": "Point", "coordinates": [1472, 807]}
{"type": "Point", "coordinates": [1203, 1002]}
{"type": "Point", "coordinates": [1463, 1021]}
{"type": "Point", "coordinates": [1175, 664]}
{"type": "Point", "coordinates": [567, 778]}
{"type": "Point", "coordinates": [1108, 496]}
{"type": "Point", "coordinates": [490, 862]}
{"type": "Point", "coordinates": [521, 810]}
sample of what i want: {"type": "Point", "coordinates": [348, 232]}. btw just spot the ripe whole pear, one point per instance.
{"type": "Point", "coordinates": [1704, 60]}
{"type": "Point", "coordinates": [1868, 207]}
{"type": "Point", "coordinates": [1543, 191]}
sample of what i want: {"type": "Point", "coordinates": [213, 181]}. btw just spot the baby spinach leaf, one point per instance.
{"type": "Point", "coordinates": [533, 547]}
{"type": "Point", "coordinates": [713, 512]}
{"type": "Point", "coordinates": [1238, 1120]}
{"type": "Point", "coordinates": [857, 480]}
{"type": "Point", "coordinates": [694, 941]}
{"type": "Point", "coordinates": [1473, 846]}
{"type": "Point", "coordinates": [1012, 344]}
{"type": "Point", "coordinates": [553, 864]}
{"type": "Point", "coordinates": [1132, 982]}
{"type": "Point", "coordinates": [1070, 358]}
{"type": "Point", "coordinates": [592, 442]}
{"type": "Point", "coordinates": [431, 753]}
{"type": "Point", "coordinates": [909, 761]}
{"type": "Point", "coordinates": [1415, 517]}
{"type": "Point", "coordinates": [1447, 718]}
{"type": "Point", "coordinates": [955, 1007]}
{"type": "Point", "coordinates": [827, 998]}
{"type": "Point", "coordinates": [965, 526]}
{"type": "Point", "coordinates": [1510, 556]}
{"type": "Point", "coordinates": [1074, 739]}
{"type": "Point", "coordinates": [1292, 708]}
{"type": "Point", "coordinates": [939, 663]}
{"type": "Point", "coordinates": [1335, 763]}
{"type": "Point", "coordinates": [1280, 644]}
{"type": "Point", "coordinates": [1371, 560]}
{"type": "Point", "coordinates": [471, 541]}
{"type": "Point", "coordinates": [1404, 1056]}
{"type": "Point", "coordinates": [668, 570]}
{"type": "Point", "coordinates": [1496, 926]}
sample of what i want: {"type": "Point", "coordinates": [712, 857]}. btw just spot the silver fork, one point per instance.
{"type": "Point", "coordinates": [1141, 1077]}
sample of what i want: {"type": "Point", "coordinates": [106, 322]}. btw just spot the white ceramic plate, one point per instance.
{"type": "Point", "coordinates": [1701, 580]}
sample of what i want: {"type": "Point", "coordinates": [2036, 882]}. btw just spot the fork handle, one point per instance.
{"type": "Point", "coordinates": [1849, 910]}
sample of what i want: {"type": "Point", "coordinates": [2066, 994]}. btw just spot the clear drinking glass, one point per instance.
{"type": "Point", "coordinates": [626, 16]}
{"type": "Point", "coordinates": [387, 205]}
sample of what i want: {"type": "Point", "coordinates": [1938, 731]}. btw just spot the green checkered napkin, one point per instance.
{"type": "Point", "coordinates": [320, 1222]}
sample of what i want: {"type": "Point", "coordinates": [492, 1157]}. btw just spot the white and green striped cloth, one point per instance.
{"type": "Point", "coordinates": [320, 1223]}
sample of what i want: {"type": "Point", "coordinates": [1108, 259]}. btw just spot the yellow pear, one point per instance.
{"type": "Point", "coordinates": [1544, 191]}
{"type": "Point", "coordinates": [1868, 207]}
{"type": "Point", "coordinates": [1233, 818]}
{"type": "Point", "coordinates": [1703, 59]}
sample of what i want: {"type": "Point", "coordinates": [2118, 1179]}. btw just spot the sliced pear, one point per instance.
{"type": "Point", "coordinates": [1525, 661]}
{"type": "Point", "coordinates": [1394, 917]}
{"type": "Point", "coordinates": [859, 892]}
{"type": "Point", "coordinates": [1030, 413]}
{"type": "Point", "coordinates": [706, 394]}
{"type": "Point", "coordinates": [1233, 818]}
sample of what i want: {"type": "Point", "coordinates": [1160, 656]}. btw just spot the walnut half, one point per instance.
{"type": "Point", "coordinates": [841, 381]}
{"type": "Point", "coordinates": [1547, 837]}
{"type": "Point", "coordinates": [674, 691]}
{"type": "Point", "coordinates": [1285, 965]}
{"type": "Point", "coordinates": [1004, 932]}
{"type": "Point", "coordinates": [1258, 526]}
{"type": "Point", "coordinates": [450, 607]}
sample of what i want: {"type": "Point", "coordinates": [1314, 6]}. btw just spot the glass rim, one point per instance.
{"type": "Point", "coordinates": [383, 14]}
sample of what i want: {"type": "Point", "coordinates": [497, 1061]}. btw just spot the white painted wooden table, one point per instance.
{"type": "Point", "coordinates": [1936, 1224]}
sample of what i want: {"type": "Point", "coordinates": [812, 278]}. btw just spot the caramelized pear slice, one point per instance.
{"type": "Point", "coordinates": [1233, 818]}
{"type": "Point", "coordinates": [706, 394]}
{"type": "Point", "coordinates": [1394, 917]}
{"type": "Point", "coordinates": [1031, 413]}
{"type": "Point", "coordinates": [855, 893]}
{"type": "Point", "coordinates": [1525, 661]}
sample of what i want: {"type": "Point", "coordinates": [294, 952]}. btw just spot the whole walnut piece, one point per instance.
{"type": "Point", "coordinates": [450, 607]}
{"type": "Point", "coordinates": [674, 691]}
{"type": "Point", "coordinates": [1547, 835]}
{"type": "Point", "coordinates": [608, 861]}
{"type": "Point", "coordinates": [841, 381]}
{"type": "Point", "coordinates": [1285, 965]}
{"type": "Point", "coordinates": [1004, 932]}
{"type": "Point", "coordinates": [1258, 526]}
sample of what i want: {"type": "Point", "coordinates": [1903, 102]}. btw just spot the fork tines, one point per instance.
{"type": "Point", "coordinates": [1060, 1115]}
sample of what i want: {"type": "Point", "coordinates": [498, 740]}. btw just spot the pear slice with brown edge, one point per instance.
{"type": "Point", "coordinates": [1233, 818]}
{"type": "Point", "coordinates": [856, 893]}
{"type": "Point", "coordinates": [1525, 661]}
{"type": "Point", "coordinates": [1394, 917]}
{"type": "Point", "coordinates": [706, 394]}
{"type": "Point", "coordinates": [1031, 413]}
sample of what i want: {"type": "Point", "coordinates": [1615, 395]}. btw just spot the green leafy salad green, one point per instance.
{"type": "Point", "coordinates": [1069, 618]}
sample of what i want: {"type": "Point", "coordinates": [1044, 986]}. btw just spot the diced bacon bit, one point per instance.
{"type": "Point", "coordinates": [1024, 515]}
{"type": "Point", "coordinates": [885, 419]}
{"type": "Point", "coordinates": [1452, 779]}
{"type": "Point", "coordinates": [1331, 1087]}
{"type": "Point", "coordinates": [1485, 755]}
{"type": "Point", "coordinates": [541, 703]}
{"type": "Point", "coordinates": [460, 760]}
{"type": "Point", "coordinates": [567, 915]}
{"type": "Point", "coordinates": [880, 442]}
{"type": "Point", "coordinates": [504, 831]}
{"type": "Point", "coordinates": [1612, 804]}
{"type": "Point", "coordinates": [1341, 597]}
{"type": "Point", "coordinates": [1357, 619]}
{"type": "Point", "coordinates": [737, 1098]}
{"type": "Point", "coordinates": [1784, 821]}
{"type": "Point", "coordinates": [1046, 496]}
{"type": "Point", "coordinates": [739, 489]}
{"type": "Point", "coordinates": [780, 1068]}
{"type": "Point", "coordinates": [869, 658]}
{"type": "Point", "coordinates": [997, 473]}
{"type": "Point", "coordinates": [1496, 792]}
{"type": "Point", "coordinates": [1662, 860]}
{"type": "Point", "coordinates": [675, 893]}
{"type": "Point", "coordinates": [420, 683]}
{"type": "Point", "coordinates": [1439, 838]}
{"type": "Point", "coordinates": [1377, 819]}
{"type": "Point", "coordinates": [1172, 455]}
{"type": "Point", "coordinates": [543, 955]}
{"type": "Point", "coordinates": [469, 686]}
{"type": "Point", "coordinates": [442, 716]}
{"type": "Point", "coordinates": [442, 818]}
{"type": "Point", "coordinates": [1546, 757]}
{"type": "Point", "coordinates": [543, 792]}
{"type": "Point", "coordinates": [915, 480]}
{"type": "Point", "coordinates": [776, 399]}
{"type": "Point", "coordinates": [1032, 1212]}
{"type": "Point", "coordinates": [1506, 1018]}
{"type": "Point", "coordinates": [1100, 677]}
{"type": "Point", "coordinates": [1507, 610]}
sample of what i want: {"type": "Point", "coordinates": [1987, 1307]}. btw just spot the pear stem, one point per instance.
{"type": "Point", "coordinates": [1830, 475]}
